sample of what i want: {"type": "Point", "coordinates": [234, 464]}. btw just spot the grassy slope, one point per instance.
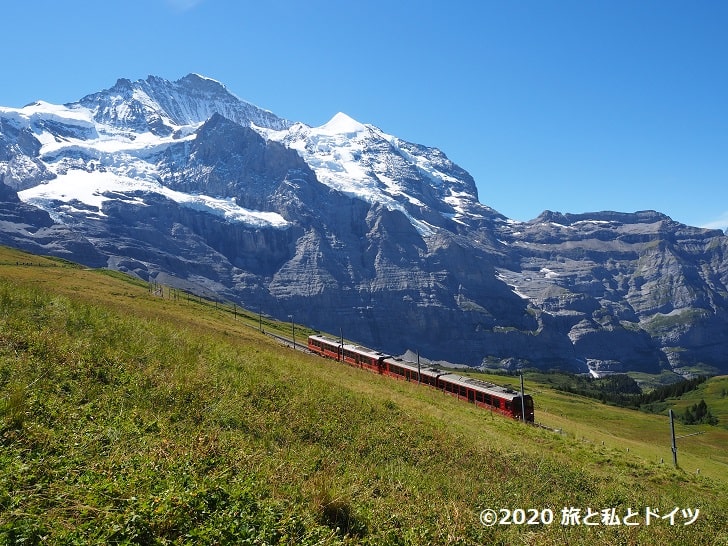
{"type": "Point", "coordinates": [128, 418]}
{"type": "Point", "coordinates": [647, 436]}
{"type": "Point", "coordinates": [714, 392]}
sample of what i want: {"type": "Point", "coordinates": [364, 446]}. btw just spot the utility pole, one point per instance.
{"type": "Point", "coordinates": [674, 443]}
{"type": "Point", "coordinates": [523, 402]}
{"type": "Point", "coordinates": [341, 345]}
{"type": "Point", "coordinates": [293, 330]}
{"type": "Point", "coordinates": [418, 367]}
{"type": "Point", "coordinates": [674, 438]}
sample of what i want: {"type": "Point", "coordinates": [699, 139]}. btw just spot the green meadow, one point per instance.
{"type": "Point", "coordinates": [130, 416]}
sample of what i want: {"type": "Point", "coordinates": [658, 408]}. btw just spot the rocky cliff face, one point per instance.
{"type": "Point", "coordinates": [620, 282]}
{"type": "Point", "coordinates": [350, 229]}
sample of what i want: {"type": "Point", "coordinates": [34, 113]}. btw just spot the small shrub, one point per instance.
{"type": "Point", "coordinates": [336, 512]}
{"type": "Point", "coordinates": [14, 407]}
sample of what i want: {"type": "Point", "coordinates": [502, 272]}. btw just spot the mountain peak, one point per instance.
{"type": "Point", "coordinates": [195, 78]}
{"type": "Point", "coordinates": [123, 83]}
{"type": "Point", "coordinates": [342, 124]}
{"type": "Point", "coordinates": [198, 82]}
{"type": "Point", "coordinates": [158, 105]}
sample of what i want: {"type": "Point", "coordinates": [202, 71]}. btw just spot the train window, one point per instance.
{"type": "Point", "coordinates": [479, 397]}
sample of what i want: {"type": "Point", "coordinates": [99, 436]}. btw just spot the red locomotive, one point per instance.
{"type": "Point", "coordinates": [500, 399]}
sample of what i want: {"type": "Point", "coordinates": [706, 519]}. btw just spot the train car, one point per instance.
{"type": "Point", "coordinates": [325, 346]}
{"type": "Point", "coordinates": [409, 371]}
{"type": "Point", "coordinates": [487, 395]}
{"type": "Point", "coordinates": [355, 355]}
{"type": "Point", "coordinates": [399, 369]}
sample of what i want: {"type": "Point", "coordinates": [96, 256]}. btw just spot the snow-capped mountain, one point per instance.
{"type": "Point", "coordinates": [365, 163]}
{"type": "Point", "coordinates": [348, 228]}
{"type": "Point", "coordinates": [161, 107]}
{"type": "Point", "coordinates": [111, 141]}
{"type": "Point", "coordinates": [107, 144]}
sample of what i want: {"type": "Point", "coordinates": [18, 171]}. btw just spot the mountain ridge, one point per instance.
{"type": "Point", "coordinates": [350, 229]}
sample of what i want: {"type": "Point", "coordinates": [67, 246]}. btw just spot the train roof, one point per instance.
{"type": "Point", "coordinates": [455, 379]}
{"type": "Point", "coordinates": [350, 346]}
{"type": "Point", "coordinates": [412, 366]}
{"type": "Point", "coordinates": [483, 386]}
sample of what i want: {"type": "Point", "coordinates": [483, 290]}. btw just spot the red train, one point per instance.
{"type": "Point", "coordinates": [500, 399]}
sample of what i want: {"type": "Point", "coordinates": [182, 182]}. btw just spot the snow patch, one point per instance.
{"type": "Point", "coordinates": [548, 273]}
{"type": "Point", "coordinates": [46, 110]}
{"type": "Point", "coordinates": [94, 188]}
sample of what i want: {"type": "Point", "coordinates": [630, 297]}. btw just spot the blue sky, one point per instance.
{"type": "Point", "coordinates": [572, 106]}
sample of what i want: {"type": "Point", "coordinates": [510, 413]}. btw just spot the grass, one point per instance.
{"type": "Point", "coordinates": [647, 436]}
{"type": "Point", "coordinates": [714, 392]}
{"type": "Point", "coordinates": [131, 419]}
